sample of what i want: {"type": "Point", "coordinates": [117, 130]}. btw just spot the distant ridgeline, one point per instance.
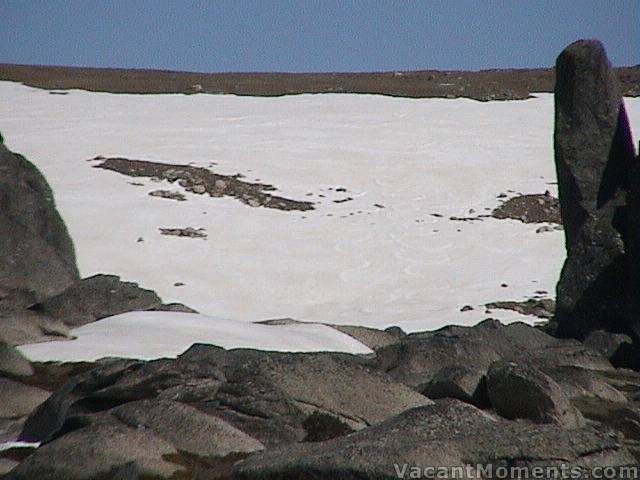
{"type": "Point", "coordinates": [483, 85]}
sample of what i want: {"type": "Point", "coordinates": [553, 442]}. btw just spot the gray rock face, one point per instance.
{"type": "Point", "coordinates": [105, 450]}
{"type": "Point", "coordinates": [267, 395]}
{"type": "Point", "coordinates": [49, 417]}
{"type": "Point", "coordinates": [464, 383]}
{"type": "Point", "coordinates": [624, 418]}
{"type": "Point", "coordinates": [606, 343]}
{"type": "Point", "coordinates": [518, 391]}
{"type": "Point", "coordinates": [164, 437]}
{"type": "Point", "coordinates": [186, 428]}
{"type": "Point", "coordinates": [38, 257]}
{"type": "Point", "coordinates": [416, 358]}
{"type": "Point", "coordinates": [24, 326]}
{"type": "Point", "coordinates": [97, 297]}
{"type": "Point", "coordinates": [448, 433]}
{"type": "Point", "coordinates": [593, 157]}
{"type": "Point", "coordinates": [6, 465]}
{"type": "Point", "coordinates": [18, 400]}
{"type": "Point", "coordinates": [371, 337]}
{"type": "Point", "coordinates": [13, 363]}
{"type": "Point", "coordinates": [580, 383]}
{"type": "Point", "coordinates": [565, 353]}
{"type": "Point", "coordinates": [282, 390]}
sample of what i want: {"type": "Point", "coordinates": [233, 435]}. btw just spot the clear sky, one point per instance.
{"type": "Point", "coordinates": [312, 35]}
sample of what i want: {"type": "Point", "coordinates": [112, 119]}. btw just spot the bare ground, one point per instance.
{"type": "Point", "coordinates": [484, 85]}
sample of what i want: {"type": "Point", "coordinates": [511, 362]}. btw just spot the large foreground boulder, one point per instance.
{"type": "Point", "coordinates": [593, 155]}
{"type": "Point", "coordinates": [523, 391]}
{"type": "Point", "coordinates": [449, 433]}
{"type": "Point", "coordinates": [37, 258]}
{"type": "Point", "coordinates": [145, 439]}
{"type": "Point", "coordinates": [106, 450]}
{"type": "Point", "coordinates": [633, 240]}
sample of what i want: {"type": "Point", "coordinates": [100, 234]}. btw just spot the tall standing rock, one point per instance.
{"type": "Point", "coordinates": [633, 243]}
{"type": "Point", "coordinates": [593, 163]}
{"type": "Point", "coordinates": [37, 257]}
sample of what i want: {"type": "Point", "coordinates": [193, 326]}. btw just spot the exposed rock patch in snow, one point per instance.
{"type": "Point", "coordinates": [533, 208]}
{"type": "Point", "coordinates": [201, 180]}
{"type": "Point", "coordinates": [538, 307]}
{"type": "Point", "coordinates": [189, 232]}
{"type": "Point", "coordinates": [169, 195]}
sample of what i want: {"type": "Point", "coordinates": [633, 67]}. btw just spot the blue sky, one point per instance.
{"type": "Point", "coordinates": [310, 36]}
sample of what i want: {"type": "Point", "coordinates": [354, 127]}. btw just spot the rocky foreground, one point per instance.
{"type": "Point", "coordinates": [566, 394]}
{"type": "Point", "coordinates": [490, 394]}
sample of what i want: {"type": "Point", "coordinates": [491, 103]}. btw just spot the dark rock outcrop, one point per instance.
{"type": "Point", "coordinates": [449, 433]}
{"type": "Point", "coordinates": [519, 391]}
{"type": "Point", "coordinates": [37, 259]}
{"type": "Point", "coordinates": [594, 155]}
{"type": "Point", "coordinates": [633, 234]}
{"type": "Point", "coordinates": [322, 426]}
{"type": "Point", "coordinates": [97, 297]}
{"type": "Point", "coordinates": [174, 307]}
{"type": "Point", "coordinates": [533, 208]}
{"type": "Point", "coordinates": [539, 307]}
{"type": "Point", "coordinates": [202, 181]}
{"type": "Point", "coordinates": [606, 343]}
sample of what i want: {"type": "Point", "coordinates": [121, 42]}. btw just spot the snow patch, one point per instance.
{"type": "Point", "coordinates": [151, 335]}
{"type": "Point", "coordinates": [16, 444]}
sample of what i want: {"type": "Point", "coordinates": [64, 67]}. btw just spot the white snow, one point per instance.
{"type": "Point", "coordinates": [343, 263]}
{"type": "Point", "coordinates": [17, 444]}
{"type": "Point", "coordinates": [149, 335]}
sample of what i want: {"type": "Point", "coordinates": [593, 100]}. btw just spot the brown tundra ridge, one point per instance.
{"type": "Point", "coordinates": [484, 85]}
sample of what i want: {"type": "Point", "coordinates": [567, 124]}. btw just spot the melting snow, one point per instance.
{"type": "Point", "coordinates": [149, 335]}
{"type": "Point", "coordinates": [346, 263]}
